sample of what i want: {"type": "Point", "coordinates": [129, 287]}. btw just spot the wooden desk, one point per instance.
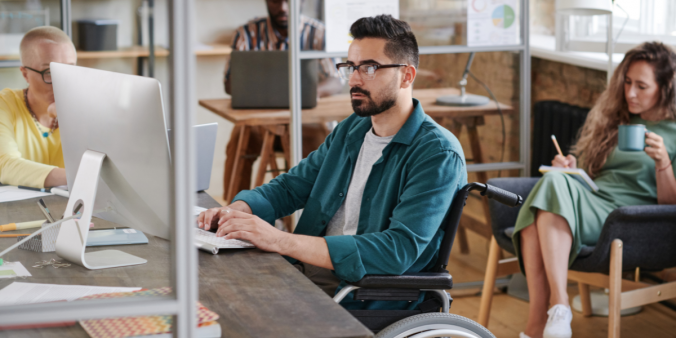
{"type": "Point", "coordinates": [275, 123]}
{"type": "Point", "coordinates": [256, 294]}
{"type": "Point", "coordinates": [337, 107]}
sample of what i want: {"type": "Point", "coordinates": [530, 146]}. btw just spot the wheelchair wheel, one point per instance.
{"type": "Point", "coordinates": [435, 324]}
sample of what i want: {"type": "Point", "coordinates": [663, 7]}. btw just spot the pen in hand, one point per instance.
{"type": "Point", "coordinates": [556, 144]}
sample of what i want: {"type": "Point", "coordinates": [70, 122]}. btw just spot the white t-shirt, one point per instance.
{"type": "Point", "coordinates": [346, 219]}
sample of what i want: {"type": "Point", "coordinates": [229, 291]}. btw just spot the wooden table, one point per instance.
{"type": "Point", "coordinates": [337, 107]}
{"type": "Point", "coordinates": [256, 294]}
{"type": "Point", "coordinates": [275, 123]}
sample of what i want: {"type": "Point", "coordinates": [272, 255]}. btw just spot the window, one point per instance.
{"type": "Point", "coordinates": [634, 21]}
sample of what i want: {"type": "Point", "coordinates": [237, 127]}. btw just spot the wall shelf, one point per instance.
{"type": "Point", "coordinates": [128, 52]}
{"type": "Point", "coordinates": [136, 52]}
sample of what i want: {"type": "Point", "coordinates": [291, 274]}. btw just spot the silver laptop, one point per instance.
{"type": "Point", "coordinates": [205, 140]}
{"type": "Point", "coordinates": [260, 79]}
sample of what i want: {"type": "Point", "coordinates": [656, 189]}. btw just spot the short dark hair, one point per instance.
{"type": "Point", "coordinates": [401, 45]}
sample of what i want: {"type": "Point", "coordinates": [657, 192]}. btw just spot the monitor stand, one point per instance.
{"type": "Point", "coordinates": [72, 239]}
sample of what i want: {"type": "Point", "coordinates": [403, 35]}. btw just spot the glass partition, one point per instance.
{"type": "Point", "coordinates": [18, 17]}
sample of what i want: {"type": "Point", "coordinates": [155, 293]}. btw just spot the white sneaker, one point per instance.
{"type": "Point", "coordinates": [558, 323]}
{"type": "Point", "coordinates": [523, 335]}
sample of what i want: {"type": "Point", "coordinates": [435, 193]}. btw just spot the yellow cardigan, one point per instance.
{"type": "Point", "coordinates": [26, 157]}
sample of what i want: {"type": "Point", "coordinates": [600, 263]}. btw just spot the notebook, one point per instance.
{"type": "Point", "coordinates": [576, 173]}
{"type": "Point", "coordinates": [143, 326]}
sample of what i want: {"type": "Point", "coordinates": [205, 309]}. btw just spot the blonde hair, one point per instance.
{"type": "Point", "coordinates": [598, 136]}
{"type": "Point", "coordinates": [47, 34]}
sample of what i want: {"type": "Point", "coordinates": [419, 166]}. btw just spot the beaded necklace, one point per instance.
{"type": "Point", "coordinates": [55, 122]}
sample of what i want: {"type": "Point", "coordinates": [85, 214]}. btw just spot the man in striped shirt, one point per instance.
{"type": "Point", "coordinates": [271, 33]}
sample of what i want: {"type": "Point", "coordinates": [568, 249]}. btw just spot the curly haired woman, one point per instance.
{"type": "Point", "coordinates": [560, 215]}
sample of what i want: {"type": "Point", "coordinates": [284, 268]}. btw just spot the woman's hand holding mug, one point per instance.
{"type": "Point", "coordinates": [656, 150]}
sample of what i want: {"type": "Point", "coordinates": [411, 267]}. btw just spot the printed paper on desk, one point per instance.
{"type": "Point", "coordinates": [13, 269]}
{"type": "Point", "coordinates": [29, 293]}
{"type": "Point", "coordinates": [341, 14]}
{"type": "Point", "coordinates": [11, 193]}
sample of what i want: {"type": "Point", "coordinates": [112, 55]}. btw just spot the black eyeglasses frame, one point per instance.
{"type": "Point", "coordinates": [42, 73]}
{"type": "Point", "coordinates": [376, 65]}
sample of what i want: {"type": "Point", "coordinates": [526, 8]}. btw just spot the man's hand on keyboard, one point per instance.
{"type": "Point", "coordinates": [208, 219]}
{"type": "Point", "coordinates": [234, 224]}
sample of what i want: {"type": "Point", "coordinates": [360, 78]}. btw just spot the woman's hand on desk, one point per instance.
{"type": "Point", "coordinates": [564, 162]}
{"type": "Point", "coordinates": [656, 150]}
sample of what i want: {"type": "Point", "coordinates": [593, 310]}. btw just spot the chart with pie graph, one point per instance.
{"type": "Point", "coordinates": [503, 16]}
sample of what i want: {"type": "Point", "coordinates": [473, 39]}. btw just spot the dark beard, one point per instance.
{"type": "Point", "coordinates": [371, 108]}
{"type": "Point", "coordinates": [276, 24]}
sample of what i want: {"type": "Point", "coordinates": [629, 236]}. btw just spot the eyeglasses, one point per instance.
{"type": "Point", "coordinates": [367, 70]}
{"type": "Point", "coordinates": [46, 74]}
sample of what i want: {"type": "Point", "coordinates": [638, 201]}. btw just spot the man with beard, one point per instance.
{"type": "Point", "coordinates": [271, 33]}
{"type": "Point", "coordinates": [376, 192]}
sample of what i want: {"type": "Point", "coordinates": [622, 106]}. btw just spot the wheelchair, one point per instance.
{"type": "Point", "coordinates": [427, 321]}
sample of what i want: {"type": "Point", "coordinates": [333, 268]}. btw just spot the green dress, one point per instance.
{"type": "Point", "coordinates": [627, 178]}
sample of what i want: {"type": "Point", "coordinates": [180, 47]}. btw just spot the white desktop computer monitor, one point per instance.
{"type": "Point", "coordinates": [112, 131]}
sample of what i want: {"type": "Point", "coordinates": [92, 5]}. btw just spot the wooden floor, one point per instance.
{"type": "Point", "coordinates": [508, 315]}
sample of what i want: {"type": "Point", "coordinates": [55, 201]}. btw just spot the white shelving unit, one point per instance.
{"type": "Point", "coordinates": [525, 86]}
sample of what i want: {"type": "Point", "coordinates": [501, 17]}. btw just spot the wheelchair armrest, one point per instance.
{"type": "Point", "coordinates": [418, 280]}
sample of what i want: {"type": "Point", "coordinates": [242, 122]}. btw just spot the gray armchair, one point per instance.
{"type": "Point", "coordinates": [632, 237]}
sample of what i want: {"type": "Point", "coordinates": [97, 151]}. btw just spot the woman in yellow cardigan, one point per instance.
{"type": "Point", "coordinates": [30, 143]}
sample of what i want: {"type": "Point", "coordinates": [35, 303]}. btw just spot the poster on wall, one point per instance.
{"type": "Point", "coordinates": [341, 14]}
{"type": "Point", "coordinates": [492, 22]}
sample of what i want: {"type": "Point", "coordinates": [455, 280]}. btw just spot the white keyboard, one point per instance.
{"type": "Point", "coordinates": [210, 238]}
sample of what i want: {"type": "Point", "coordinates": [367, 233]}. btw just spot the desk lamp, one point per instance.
{"type": "Point", "coordinates": [464, 99]}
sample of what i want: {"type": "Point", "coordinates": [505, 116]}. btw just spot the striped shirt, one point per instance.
{"type": "Point", "coordinates": [259, 34]}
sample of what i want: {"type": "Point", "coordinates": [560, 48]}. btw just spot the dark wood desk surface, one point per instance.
{"type": "Point", "coordinates": [256, 294]}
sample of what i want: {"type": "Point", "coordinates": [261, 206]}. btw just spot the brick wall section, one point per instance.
{"type": "Point", "coordinates": [566, 83]}
{"type": "Point", "coordinates": [500, 72]}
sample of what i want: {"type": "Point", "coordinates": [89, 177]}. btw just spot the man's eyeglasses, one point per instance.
{"type": "Point", "coordinates": [366, 70]}
{"type": "Point", "coordinates": [46, 74]}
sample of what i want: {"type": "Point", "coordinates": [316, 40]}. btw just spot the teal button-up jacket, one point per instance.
{"type": "Point", "coordinates": [406, 197]}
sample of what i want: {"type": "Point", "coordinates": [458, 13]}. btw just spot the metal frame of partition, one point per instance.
{"type": "Point", "coordinates": [524, 73]}
{"type": "Point", "coordinates": [184, 256]}
{"type": "Point", "coordinates": [66, 26]}
{"type": "Point", "coordinates": [182, 98]}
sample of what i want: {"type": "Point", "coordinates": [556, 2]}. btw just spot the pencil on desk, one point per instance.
{"type": "Point", "coordinates": [22, 225]}
{"type": "Point", "coordinates": [556, 144]}
{"type": "Point", "coordinates": [13, 235]}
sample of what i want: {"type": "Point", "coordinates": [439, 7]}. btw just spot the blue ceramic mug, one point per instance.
{"type": "Point", "coordinates": [631, 137]}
